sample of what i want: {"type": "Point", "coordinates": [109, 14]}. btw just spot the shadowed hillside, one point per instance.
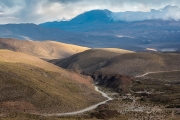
{"type": "Point", "coordinates": [140, 63]}
{"type": "Point", "coordinates": [112, 70]}
{"type": "Point", "coordinates": [29, 84]}
{"type": "Point", "coordinates": [90, 60]}
{"type": "Point", "coordinates": [46, 49]}
{"type": "Point", "coordinates": [116, 63]}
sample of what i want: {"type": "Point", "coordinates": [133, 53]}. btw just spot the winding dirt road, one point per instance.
{"type": "Point", "coordinates": [85, 109]}
{"type": "Point", "coordinates": [96, 105]}
{"type": "Point", "coordinates": [154, 72]}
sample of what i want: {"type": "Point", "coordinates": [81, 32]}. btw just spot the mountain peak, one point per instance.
{"type": "Point", "coordinates": [92, 16]}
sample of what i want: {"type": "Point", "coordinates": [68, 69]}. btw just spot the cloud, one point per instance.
{"type": "Point", "coordinates": [166, 13]}
{"type": "Point", "coordinates": [38, 11]}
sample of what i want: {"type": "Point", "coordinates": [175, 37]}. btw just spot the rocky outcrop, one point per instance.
{"type": "Point", "coordinates": [103, 112]}
{"type": "Point", "coordinates": [120, 83]}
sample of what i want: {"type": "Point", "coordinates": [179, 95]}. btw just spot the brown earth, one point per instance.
{"type": "Point", "coordinates": [120, 83]}
{"type": "Point", "coordinates": [111, 69]}
{"type": "Point", "coordinates": [29, 84]}
{"type": "Point", "coordinates": [46, 49]}
{"type": "Point", "coordinates": [90, 60]}
{"type": "Point", "coordinates": [105, 113]}
{"type": "Point", "coordinates": [131, 64]}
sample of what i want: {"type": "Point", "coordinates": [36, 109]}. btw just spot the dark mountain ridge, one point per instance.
{"type": "Point", "coordinates": [94, 16]}
{"type": "Point", "coordinates": [153, 33]}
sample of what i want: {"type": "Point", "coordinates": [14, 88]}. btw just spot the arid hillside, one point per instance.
{"type": "Point", "coordinates": [29, 84]}
{"type": "Point", "coordinates": [140, 63]}
{"type": "Point", "coordinates": [132, 64]}
{"type": "Point", "coordinates": [91, 60]}
{"type": "Point", "coordinates": [46, 50]}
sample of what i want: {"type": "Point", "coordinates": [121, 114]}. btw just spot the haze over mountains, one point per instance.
{"type": "Point", "coordinates": [141, 32]}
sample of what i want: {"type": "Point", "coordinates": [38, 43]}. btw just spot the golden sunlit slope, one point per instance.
{"type": "Point", "coordinates": [115, 50]}
{"type": "Point", "coordinates": [45, 49]}
{"type": "Point", "coordinates": [29, 84]}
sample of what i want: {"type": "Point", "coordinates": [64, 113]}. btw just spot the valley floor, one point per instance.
{"type": "Point", "coordinates": [126, 107]}
{"type": "Point", "coordinates": [129, 106]}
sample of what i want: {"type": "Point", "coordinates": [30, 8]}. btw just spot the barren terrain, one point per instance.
{"type": "Point", "coordinates": [31, 85]}
{"type": "Point", "coordinates": [46, 49]}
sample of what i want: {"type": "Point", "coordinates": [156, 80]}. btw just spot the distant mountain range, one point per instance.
{"type": "Point", "coordinates": [35, 32]}
{"type": "Point", "coordinates": [106, 16]}
{"type": "Point", "coordinates": [103, 28]}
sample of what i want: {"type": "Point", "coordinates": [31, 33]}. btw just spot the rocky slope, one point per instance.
{"type": "Point", "coordinates": [120, 83]}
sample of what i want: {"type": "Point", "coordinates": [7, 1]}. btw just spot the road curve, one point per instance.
{"type": "Point", "coordinates": [96, 105]}
{"type": "Point", "coordinates": [85, 109]}
{"type": "Point", "coordinates": [154, 72]}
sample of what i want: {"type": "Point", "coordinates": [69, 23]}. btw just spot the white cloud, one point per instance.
{"type": "Point", "coordinates": [38, 11]}
{"type": "Point", "coordinates": [167, 13]}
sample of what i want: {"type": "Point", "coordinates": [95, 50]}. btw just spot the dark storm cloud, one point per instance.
{"type": "Point", "coordinates": [38, 11]}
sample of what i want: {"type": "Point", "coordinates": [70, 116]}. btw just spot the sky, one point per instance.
{"type": "Point", "coordinates": [39, 11]}
{"type": "Point", "coordinates": [166, 13]}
